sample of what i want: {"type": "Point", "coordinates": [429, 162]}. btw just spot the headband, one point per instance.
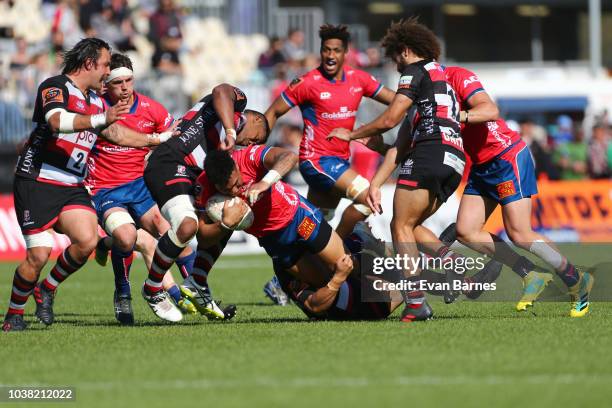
{"type": "Point", "coordinates": [117, 72]}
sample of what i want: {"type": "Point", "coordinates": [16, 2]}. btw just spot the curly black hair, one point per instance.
{"type": "Point", "coordinates": [411, 34]}
{"type": "Point", "coordinates": [88, 49]}
{"type": "Point", "coordinates": [339, 32]}
{"type": "Point", "coordinates": [218, 166]}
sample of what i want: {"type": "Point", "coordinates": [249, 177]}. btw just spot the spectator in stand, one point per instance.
{"type": "Point", "coordinates": [571, 157]}
{"type": "Point", "coordinates": [563, 132]}
{"type": "Point", "coordinates": [598, 160]}
{"type": "Point", "coordinates": [536, 139]}
{"type": "Point", "coordinates": [165, 33]}
{"type": "Point", "coordinates": [20, 59]}
{"type": "Point", "coordinates": [113, 23]}
{"type": "Point", "coordinates": [356, 58]}
{"type": "Point", "coordinates": [375, 61]}
{"type": "Point", "coordinates": [293, 49]}
{"type": "Point", "coordinates": [273, 55]}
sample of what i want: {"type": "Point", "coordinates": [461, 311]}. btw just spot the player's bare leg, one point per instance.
{"type": "Point", "coordinates": [405, 219]}
{"type": "Point", "coordinates": [354, 187]}
{"type": "Point", "coordinates": [80, 226]}
{"type": "Point", "coordinates": [153, 222]}
{"type": "Point", "coordinates": [517, 222]}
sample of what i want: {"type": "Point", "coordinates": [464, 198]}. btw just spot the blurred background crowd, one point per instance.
{"type": "Point", "coordinates": [181, 49]}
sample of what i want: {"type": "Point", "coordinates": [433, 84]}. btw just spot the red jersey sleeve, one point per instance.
{"type": "Point", "coordinates": [296, 92]}
{"type": "Point", "coordinates": [161, 117]}
{"type": "Point", "coordinates": [250, 161]}
{"type": "Point", "coordinates": [371, 86]}
{"type": "Point", "coordinates": [466, 83]}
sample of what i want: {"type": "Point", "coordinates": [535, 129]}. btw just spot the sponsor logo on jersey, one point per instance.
{"type": "Point", "coordinates": [404, 82]}
{"type": "Point", "coordinates": [343, 114]}
{"type": "Point", "coordinates": [144, 104]}
{"type": "Point", "coordinates": [180, 170]}
{"type": "Point", "coordinates": [306, 227]}
{"type": "Point", "coordinates": [295, 83]}
{"type": "Point", "coordinates": [26, 215]}
{"type": "Point", "coordinates": [505, 189]}
{"type": "Point", "coordinates": [143, 124]}
{"type": "Point", "coordinates": [354, 90]}
{"type": "Point", "coordinates": [52, 95]}
{"type": "Point", "coordinates": [80, 104]}
{"type": "Point", "coordinates": [325, 95]}
{"type": "Point", "coordinates": [407, 167]}
{"type": "Point", "coordinates": [470, 80]}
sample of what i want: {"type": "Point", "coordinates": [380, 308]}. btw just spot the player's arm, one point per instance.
{"type": "Point", "coordinates": [279, 162]}
{"type": "Point", "coordinates": [224, 100]}
{"type": "Point", "coordinates": [278, 108]}
{"type": "Point", "coordinates": [62, 121]}
{"type": "Point", "coordinates": [124, 136]}
{"type": "Point", "coordinates": [481, 109]}
{"type": "Point", "coordinates": [386, 121]}
{"type": "Point", "coordinates": [324, 298]}
{"type": "Point", "coordinates": [385, 95]}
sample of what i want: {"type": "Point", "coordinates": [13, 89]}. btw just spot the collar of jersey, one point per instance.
{"type": "Point", "coordinates": [331, 80]}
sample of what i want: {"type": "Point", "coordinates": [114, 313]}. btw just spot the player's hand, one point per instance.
{"type": "Point", "coordinates": [375, 143]}
{"type": "Point", "coordinates": [117, 111]}
{"type": "Point", "coordinates": [233, 211]}
{"type": "Point", "coordinates": [340, 133]}
{"type": "Point", "coordinates": [174, 127]}
{"type": "Point", "coordinates": [230, 140]}
{"type": "Point", "coordinates": [374, 199]}
{"type": "Point", "coordinates": [343, 266]}
{"type": "Point", "coordinates": [255, 190]}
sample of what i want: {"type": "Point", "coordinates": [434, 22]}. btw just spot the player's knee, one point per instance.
{"type": "Point", "coordinates": [187, 230]}
{"type": "Point", "coordinates": [36, 258]}
{"type": "Point", "coordinates": [85, 244]}
{"type": "Point", "coordinates": [124, 238]}
{"type": "Point", "coordinates": [465, 233]}
{"type": "Point", "coordinates": [399, 229]}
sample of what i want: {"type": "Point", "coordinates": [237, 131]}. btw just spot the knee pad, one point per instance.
{"type": "Point", "coordinates": [175, 211]}
{"type": "Point", "coordinates": [117, 219]}
{"type": "Point", "coordinates": [328, 213]}
{"type": "Point", "coordinates": [357, 186]}
{"type": "Point", "coordinates": [41, 239]}
{"type": "Point", "coordinates": [363, 209]}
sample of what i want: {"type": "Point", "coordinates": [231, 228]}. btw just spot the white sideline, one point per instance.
{"type": "Point", "coordinates": [306, 382]}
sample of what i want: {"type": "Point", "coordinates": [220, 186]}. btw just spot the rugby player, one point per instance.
{"type": "Point", "coordinates": [503, 173]}
{"type": "Point", "coordinates": [309, 258]}
{"type": "Point", "coordinates": [120, 197]}
{"type": "Point", "coordinates": [432, 160]}
{"type": "Point", "coordinates": [217, 121]}
{"type": "Point", "coordinates": [48, 186]}
{"type": "Point", "coordinates": [329, 97]}
{"type": "Point", "coordinates": [285, 223]}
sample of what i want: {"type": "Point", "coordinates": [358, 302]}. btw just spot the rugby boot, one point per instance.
{"type": "Point", "coordinates": [202, 299]}
{"type": "Point", "coordinates": [162, 305]}
{"type": "Point", "coordinates": [272, 289]}
{"type": "Point", "coordinates": [44, 304]}
{"type": "Point", "coordinates": [123, 309]}
{"type": "Point", "coordinates": [14, 322]}
{"type": "Point", "coordinates": [579, 293]}
{"type": "Point", "coordinates": [533, 284]}
{"type": "Point", "coordinates": [415, 312]}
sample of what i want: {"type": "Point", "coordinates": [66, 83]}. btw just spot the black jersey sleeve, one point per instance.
{"type": "Point", "coordinates": [410, 81]}
{"type": "Point", "coordinates": [52, 94]}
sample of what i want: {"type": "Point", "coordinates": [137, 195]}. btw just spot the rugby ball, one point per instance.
{"type": "Point", "coordinates": [214, 209]}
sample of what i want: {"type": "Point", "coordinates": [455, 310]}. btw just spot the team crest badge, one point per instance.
{"type": "Point", "coordinates": [306, 228]}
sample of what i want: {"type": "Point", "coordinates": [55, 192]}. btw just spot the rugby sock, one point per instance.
{"type": "Point", "coordinates": [523, 266]}
{"type": "Point", "coordinates": [64, 267]}
{"type": "Point", "coordinates": [569, 275]}
{"type": "Point", "coordinates": [22, 289]}
{"type": "Point", "coordinates": [204, 261]}
{"type": "Point", "coordinates": [122, 262]}
{"type": "Point", "coordinates": [413, 298]}
{"type": "Point", "coordinates": [165, 254]}
{"type": "Point", "coordinates": [185, 264]}
{"type": "Point", "coordinates": [175, 293]}
{"type": "Point", "coordinates": [447, 255]}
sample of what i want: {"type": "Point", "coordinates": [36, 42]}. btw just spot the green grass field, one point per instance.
{"type": "Point", "coordinates": [473, 354]}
